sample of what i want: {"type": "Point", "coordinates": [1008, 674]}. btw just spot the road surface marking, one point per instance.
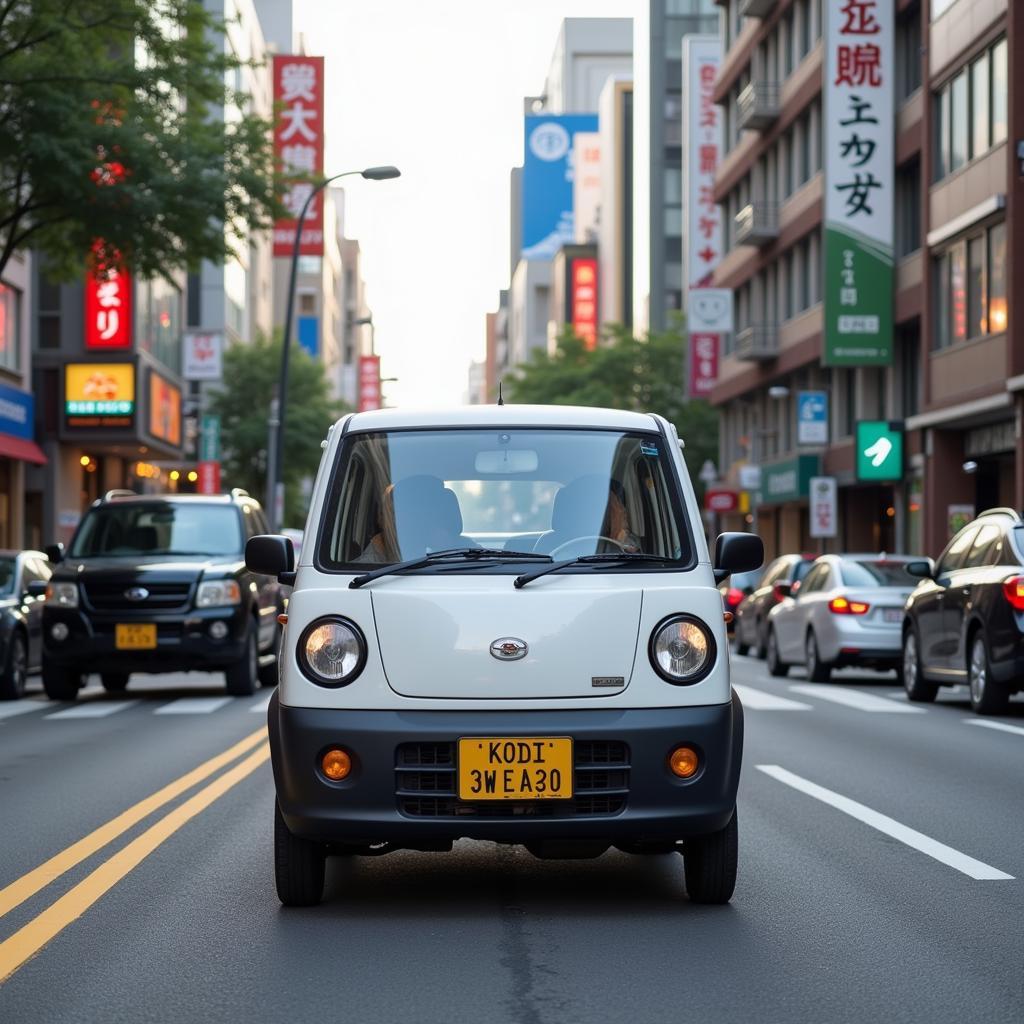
{"type": "Point", "coordinates": [888, 826]}
{"type": "Point", "coordinates": [1001, 726]}
{"type": "Point", "coordinates": [29, 884]}
{"type": "Point", "coordinates": [261, 706]}
{"type": "Point", "coordinates": [28, 940]}
{"type": "Point", "coordinates": [855, 699]}
{"type": "Point", "coordinates": [761, 701]}
{"type": "Point", "coordinates": [95, 709]}
{"type": "Point", "coordinates": [19, 707]}
{"type": "Point", "coordinates": [192, 706]}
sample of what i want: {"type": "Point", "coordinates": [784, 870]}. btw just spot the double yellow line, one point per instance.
{"type": "Point", "coordinates": [32, 937]}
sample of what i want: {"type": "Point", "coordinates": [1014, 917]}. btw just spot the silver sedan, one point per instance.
{"type": "Point", "coordinates": [848, 611]}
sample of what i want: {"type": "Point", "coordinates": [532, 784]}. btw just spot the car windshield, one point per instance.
{"type": "Point", "coordinates": [158, 528]}
{"type": "Point", "coordinates": [877, 573]}
{"type": "Point", "coordinates": [563, 493]}
{"type": "Point", "coordinates": [7, 574]}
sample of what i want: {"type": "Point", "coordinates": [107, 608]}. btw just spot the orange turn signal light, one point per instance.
{"type": "Point", "coordinates": [684, 762]}
{"type": "Point", "coordinates": [728, 617]}
{"type": "Point", "coordinates": [336, 764]}
{"type": "Point", "coordinates": [283, 618]}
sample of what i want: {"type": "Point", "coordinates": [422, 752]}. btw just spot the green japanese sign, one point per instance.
{"type": "Point", "coordinates": [879, 450]}
{"type": "Point", "coordinates": [209, 439]}
{"type": "Point", "coordinates": [788, 480]}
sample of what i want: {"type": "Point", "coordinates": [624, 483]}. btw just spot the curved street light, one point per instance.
{"type": "Point", "coordinates": [277, 423]}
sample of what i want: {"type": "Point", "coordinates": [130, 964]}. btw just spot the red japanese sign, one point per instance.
{"type": "Point", "coordinates": [369, 383]}
{"type": "Point", "coordinates": [108, 309]}
{"type": "Point", "coordinates": [584, 300]}
{"type": "Point", "coordinates": [209, 478]}
{"type": "Point", "coordinates": [299, 148]}
{"type": "Point", "coordinates": [703, 364]}
{"type": "Point", "coordinates": [721, 501]}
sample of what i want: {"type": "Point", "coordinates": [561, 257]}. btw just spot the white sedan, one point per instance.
{"type": "Point", "coordinates": [848, 611]}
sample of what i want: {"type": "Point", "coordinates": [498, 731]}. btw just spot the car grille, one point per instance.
{"type": "Point", "coordinates": [111, 596]}
{"type": "Point", "coordinates": [425, 784]}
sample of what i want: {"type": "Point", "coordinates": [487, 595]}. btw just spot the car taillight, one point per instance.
{"type": "Point", "coordinates": [844, 606]}
{"type": "Point", "coordinates": [733, 596]}
{"type": "Point", "coordinates": [1013, 591]}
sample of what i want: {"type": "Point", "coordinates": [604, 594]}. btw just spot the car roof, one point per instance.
{"type": "Point", "coordinates": [873, 556]}
{"type": "Point", "coordinates": [497, 416]}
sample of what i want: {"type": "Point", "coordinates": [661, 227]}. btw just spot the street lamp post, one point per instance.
{"type": "Point", "coordinates": [276, 448]}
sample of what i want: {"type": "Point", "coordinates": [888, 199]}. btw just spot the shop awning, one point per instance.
{"type": "Point", "coordinates": [19, 448]}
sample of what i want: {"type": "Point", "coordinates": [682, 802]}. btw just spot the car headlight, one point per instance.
{"type": "Point", "coordinates": [332, 651]}
{"type": "Point", "coordinates": [218, 593]}
{"type": "Point", "coordinates": [62, 595]}
{"type": "Point", "coordinates": [682, 649]}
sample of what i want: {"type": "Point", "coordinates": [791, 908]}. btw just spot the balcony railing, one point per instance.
{"type": "Point", "coordinates": [756, 8]}
{"type": "Point", "coordinates": [757, 343]}
{"type": "Point", "coordinates": [757, 223]}
{"type": "Point", "coordinates": [758, 105]}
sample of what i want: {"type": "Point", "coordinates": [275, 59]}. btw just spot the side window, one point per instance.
{"type": "Point", "coordinates": [259, 521]}
{"type": "Point", "coordinates": [774, 571]}
{"type": "Point", "coordinates": [814, 580]}
{"type": "Point", "coordinates": [953, 555]}
{"type": "Point", "coordinates": [983, 548]}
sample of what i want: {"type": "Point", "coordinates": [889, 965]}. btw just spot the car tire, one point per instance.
{"type": "Point", "coordinates": [15, 669]}
{"type": "Point", "coordinates": [61, 683]}
{"type": "Point", "coordinates": [818, 671]}
{"type": "Point", "coordinates": [299, 866]}
{"type": "Point", "coordinates": [776, 667]}
{"type": "Point", "coordinates": [243, 677]}
{"type": "Point", "coordinates": [917, 688]}
{"type": "Point", "coordinates": [709, 864]}
{"type": "Point", "coordinates": [741, 648]}
{"type": "Point", "coordinates": [987, 696]}
{"type": "Point", "coordinates": [268, 673]}
{"type": "Point", "coordinates": [114, 682]}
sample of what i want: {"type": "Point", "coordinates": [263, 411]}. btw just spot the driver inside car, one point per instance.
{"type": "Point", "coordinates": [589, 508]}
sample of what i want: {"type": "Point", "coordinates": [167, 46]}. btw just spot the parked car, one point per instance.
{"type": "Point", "coordinates": [751, 627]}
{"type": "Point", "coordinates": [505, 626]}
{"type": "Point", "coordinates": [848, 611]}
{"type": "Point", "coordinates": [735, 588]}
{"type": "Point", "coordinates": [21, 612]}
{"type": "Point", "coordinates": [158, 584]}
{"type": "Point", "coordinates": [964, 622]}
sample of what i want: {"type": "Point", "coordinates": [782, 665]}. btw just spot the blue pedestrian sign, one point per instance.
{"type": "Point", "coordinates": [812, 417]}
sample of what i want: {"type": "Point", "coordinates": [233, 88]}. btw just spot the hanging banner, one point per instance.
{"type": "Point", "coordinates": [299, 149]}
{"type": "Point", "coordinates": [703, 364]}
{"type": "Point", "coordinates": [108, 309]}
{"type": "Point", "coordinates": [369, 383]}
{"type": "Point", "coordinates": [584, 300]}
{"type": "Point", "coordinates": [859, 182]}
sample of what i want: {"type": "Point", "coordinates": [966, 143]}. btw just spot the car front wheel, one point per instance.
{"type": "Point", "coordinates": [114, 682]}
{"type": "Point", "coordinates": [298, 866]}
{"type": "Point", "coordinates": [917, 688]}
{"type": "Point", "coordinates": [776, 667]}
{"type": "Point", "coordinates": [15, 670]}
{"type": "Point", "coordinates": [61, 683]}
{"type": "Point", "coordinates": [710, 864]}
{"type": "Point", "coordinates": [243, 676]}
{"type": "Point", "coordinates": [987, 696]}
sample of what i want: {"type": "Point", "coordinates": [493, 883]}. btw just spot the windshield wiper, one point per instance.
{"type": "Point", "coordinates": [471, 554]}
{"type": "Point", "coordinates": [611, 556]}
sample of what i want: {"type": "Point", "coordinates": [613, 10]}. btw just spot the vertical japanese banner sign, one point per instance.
{"type": "Point", "coordinates": [584, 301]}
{"type": "Point", "coordinates": [108, 309]}
{"type": "Point", "coordinates": [369, 383]}
{"type": "Point", "coordinates": [299, 148]}
{"type": "Point", "coordinates": [702, 228]}
{"type": "Point", "coordinates": [859, 182]}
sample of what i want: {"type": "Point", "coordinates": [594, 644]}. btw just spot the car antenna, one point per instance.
{"type": "Point", "coordinates": [501, 401]}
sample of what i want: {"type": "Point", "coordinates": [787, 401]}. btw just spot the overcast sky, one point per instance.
{"type": "Point", "coordinates": [435, 87]}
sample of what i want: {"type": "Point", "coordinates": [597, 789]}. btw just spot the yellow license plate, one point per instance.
{"type": "Point", "coordinates": [515, 768]}
{"type": "Point", "coordinates": [135, 636]}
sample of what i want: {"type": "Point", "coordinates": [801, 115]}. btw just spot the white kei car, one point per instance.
{"type": "Point", "coordinates": [848, 611]}
{"type": "Point", "coordinates": [504, 625]}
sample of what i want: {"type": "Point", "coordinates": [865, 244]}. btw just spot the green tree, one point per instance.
{"type": "Point", "coordinates": [641, 374]}
{"type": "Point", "coordinates": [250, 382]}
{"type": "Point", "coordinates": [110, 128]}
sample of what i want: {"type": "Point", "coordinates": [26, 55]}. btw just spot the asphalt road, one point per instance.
{"type": "Point", "coordinates": [876, 841]}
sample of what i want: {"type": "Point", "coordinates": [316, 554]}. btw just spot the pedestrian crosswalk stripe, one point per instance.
{"type": "Point", "coordinates": [20, 707]}
{"type": "Point", "coordinates": [261, 706]}
{"type": "Point", "coordinates": [94, 709]}
{"type": "Point", "coordinates": [1001, 726]}
{"type": "Point", "coordinates": [192, 706]}
{"type": "Point", "coordinates": [758, 700]}
{"type": "Point", "coordinates": [855, 699]}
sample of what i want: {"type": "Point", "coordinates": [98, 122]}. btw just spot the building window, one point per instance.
{"type": "Point", "coordinates": [10, 336]}
{"type": "Point", "coordinates": [970, 288]}
{"type": "Point", "coordinates": [999, 93]}
{"type": "Point", "coordinates": [908, 55]}
{"type": "Point", "coordinates": [48, 301]}
{"type": "Point", "coordinates": [982, 125]}
{"type": "Point", "coordinates": [908, 209]}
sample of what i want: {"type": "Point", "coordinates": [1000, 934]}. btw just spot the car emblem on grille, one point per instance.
{"type": "Point", "coordinates": [509, 648]}
{"type": "Point", "coordinates": [136, 593]}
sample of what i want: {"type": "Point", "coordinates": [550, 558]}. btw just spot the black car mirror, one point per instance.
{"type": "Point", "coordinates": [271, 555]}
{"type": "Point", "coordinates": [921, 568]}
{"type": "Point", "coordinates": [36, 588]}
{"type": "Point", "coordinates": [54, 552]}
{"type": "Point", "coordinates": [737, 552]}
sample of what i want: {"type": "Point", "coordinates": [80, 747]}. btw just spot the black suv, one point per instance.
{"type": "Point", "coordinates": [964, 621]}
{"type": "Point", "coordinates": [159, 584]}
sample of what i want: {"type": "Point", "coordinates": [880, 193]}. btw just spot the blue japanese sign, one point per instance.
{"type": "Point", "coordinates": [547, 181]}
{"type": "Point", "coordinates": [812, 417]}
{"type": "Point", "coordinates": [16, 409]}
{"type": "Point", "coordinates": [309, 334]}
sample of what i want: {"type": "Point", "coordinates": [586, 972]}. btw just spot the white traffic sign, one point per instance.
{"type": "Point", "coordinates": [824, 506]}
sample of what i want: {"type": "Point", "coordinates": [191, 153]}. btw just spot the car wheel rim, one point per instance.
{"type": "Point", "coordinates": [978, 671]}
{"type": "Point", "coordinates": [910, 662]}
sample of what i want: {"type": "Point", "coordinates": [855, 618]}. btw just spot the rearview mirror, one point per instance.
{"type": "Point", "coordinates": [505, 460]}
{"type": "Point", "coordinates": [271, 555]}
{"type": "Point", "coordinates": [54, 552]}
{"type": "Point", "coordinates": [737, 552]}
{"type": "Point", "coordinates": [921, 568]}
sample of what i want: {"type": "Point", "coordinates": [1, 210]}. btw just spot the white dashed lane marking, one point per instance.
{"type": "Point", "coordinates": [855, 699]}
{"type": "Point", "coordinates": [192, 706]}
{"type": "Point", "coordinates": [20, 707]}
{"type": "Point", "coordinates": [758, 700]}
{"type": "Point", "coordinates": [94, 709]}
{"type": "Point", "coordinates": [1000, 726]}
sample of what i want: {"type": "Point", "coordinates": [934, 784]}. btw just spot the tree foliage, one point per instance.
{"type": "Point", "coordinates": [111, 128]}
{"type": "Point", "coordinates": [250, 382]}
{"type": "Point", "coordinates": [643, 375]}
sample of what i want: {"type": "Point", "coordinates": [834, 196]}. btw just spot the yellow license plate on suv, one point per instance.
{"type": "Point", "coordinates": [515, 768]}
{"type": "Point", "coordinates": [135, 636]}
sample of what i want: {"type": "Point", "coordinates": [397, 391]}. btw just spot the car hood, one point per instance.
{"type": "Point", "coordinates": [135, 566]}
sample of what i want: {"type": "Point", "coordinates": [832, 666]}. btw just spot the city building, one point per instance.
{"type": "Point", "coordinates": [615, 208]}
{"type": "Point", "coordinates": [496, 358]}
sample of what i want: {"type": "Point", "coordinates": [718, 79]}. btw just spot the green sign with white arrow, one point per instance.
{"type": "Point", "coordinates": [879, 450]}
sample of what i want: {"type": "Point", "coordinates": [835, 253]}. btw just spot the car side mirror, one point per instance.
{"type": "Point", "coordinates": [271, 555]}
{"type": "Point", "coordinates": [783, 590]}
{"type": "Point", "coordinates": [737, 552]}
{"type": "Point", "coordinates": [923, 568]}
{"type": "Point", "coordinates": [36, 588]}
{"type": "Point", "coordinates": [54, 552]}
